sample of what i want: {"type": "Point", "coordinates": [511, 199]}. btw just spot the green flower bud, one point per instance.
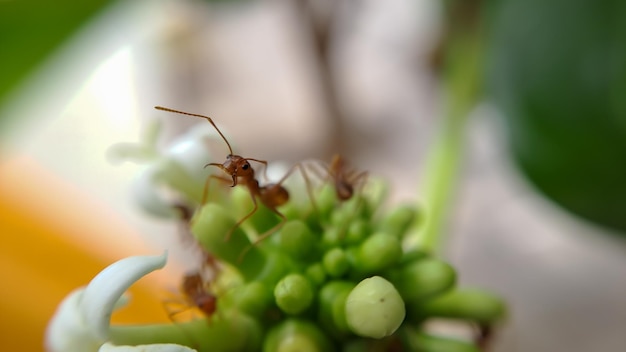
{"type": "Point", "coordinates": [347, 212]}
{"type": "Point", "coordinates": [476, 305]}
{"type": "Point", "coordinates": [422, 342]}
{"type": "Point", "coordinates": [211, 226]}
{"type": "Point", "coordinates": [276, 266]}
{"type": "Point", "coordinates": [412, 255]}
{"type": "Point", "coordinates": [398, 221]}
{"type": "Point", "coordinates": [293, 294]}
{"type": "Point", "coordinates": [331, 237]}
{"type": "Point", "coordinates": [252, 298]}
{"type": "Point", "coordinates": [326, 202]}
{"type": "Point", "coordinates": [358, 230]}
{"type": "Point", "coordinates": [332, 306]}
{"type": "Point", "coordinates": [296, 336]}
{"type": "Point", "coordinates": [374, 308]}
{"type": "Point", "coordinates": [375, 192]}
{"type": "Point", "coordinates": [316, 274]}
{"type": "Point", "coordinates": [297, 240]}
{"type": "Point", "coordinates": [377, 253]}
{"type": "Point", "coordinates": [336, 262]}
{"type": "Point", "coordinates": [423, 279]}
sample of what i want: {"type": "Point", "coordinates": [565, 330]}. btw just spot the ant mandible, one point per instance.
{"type": "Point", "coordinates": [272, 195]}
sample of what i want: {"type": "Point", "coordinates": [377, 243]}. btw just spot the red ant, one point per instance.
{"type": "Point", "coordinates": [345, 181]}
{"type": "Point", "coordinates": [239, 168]}
{"type": "Point", "coordinates": [344, 178]}
{"type": "Point", "coordinates": [195, 290]}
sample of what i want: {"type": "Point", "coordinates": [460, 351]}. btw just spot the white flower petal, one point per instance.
{"type": "Point", "coordinates": [191, 152]}
{"type": "Point", "coordinates": [67, 331]}
{"type": "Point", "coordinates": [103, 292]}
{"type": "Point", "coordinates": [149, 194]}
{"type": "Point", "coordinates": [161, 347]}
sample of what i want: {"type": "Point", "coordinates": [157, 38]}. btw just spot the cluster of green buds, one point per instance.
{"type": "Point", "coordinates": [336, 275]}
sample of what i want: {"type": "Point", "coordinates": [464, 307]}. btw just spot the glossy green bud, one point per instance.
{"type": "Point", "coordinates": [398, 221]}
{"type": "Point", "coordinates": [470, 304]}
{"type": "Point", "coordinates": [331, 237]}
{"type": "Point", "coordinates": [423, 279]}
{"type": "Point", "coordinates": [293, 294]}
{"type": "Point", "coordinates": [211, 227]}
{"type": "Point", "coordinates": [357, 231]}
{"type": "Point", "coordinates": [374, 308]}
{"type": "Point", "coordinates": [326, 202]}
{"type": "Point", "coordinates": [252, 298]}
{"type": "Point", "coordinates": [378, 253]}
{"type": "Point", "coordinates": [295, 335]}
{"type": "Point", "coordinates": [332, 306]}
{"type": "Point", "coordinates": [336, 262]}
{"type": "Point", "coordinates": [316, 274]}
{"type": "Point", "coordinates": [297, 240]}
{"type": "Point", "coordinates": [422, 342]}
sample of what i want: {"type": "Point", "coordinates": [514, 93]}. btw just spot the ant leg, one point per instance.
{"type": "Point", "coordinates": [264, 235]}
{"type": "Point", "coordinates": [359, 180]}
{"type": "Point", "coordinates": [307, 183]}
{"type": "Point", "coordinates": [175, 306]}
{"type": "Point", "coordinates": [273, 229]}
{"type": "Point", "coordinates": [205, 191]}
{"type": "Point", "coordinates": [324, 174]}
{"type": "Point", "coordinates": [254, 209]}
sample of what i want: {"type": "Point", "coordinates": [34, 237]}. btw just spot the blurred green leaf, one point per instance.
{"type": "Point", "coordinates": [32, 30]}
{"type": "Point", "coordinates": [557, 70]}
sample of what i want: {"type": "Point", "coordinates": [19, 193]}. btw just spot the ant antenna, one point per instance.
{"type": "Point", "coordinates": [198, 115]}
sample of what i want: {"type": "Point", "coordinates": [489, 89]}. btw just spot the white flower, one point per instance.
{"type": "Point", "coordinates": [81, 323]}
{"type": "Point", "coordinates": [178, 167]}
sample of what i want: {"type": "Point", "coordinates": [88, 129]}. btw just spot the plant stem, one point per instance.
{"type": "Point", "coordinates": [441, 170]}
{"type": "Point", "coordinates": [463, 81]}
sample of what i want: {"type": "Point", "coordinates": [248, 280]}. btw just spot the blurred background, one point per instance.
{"type": "Point", "coordinates": [537, 90]}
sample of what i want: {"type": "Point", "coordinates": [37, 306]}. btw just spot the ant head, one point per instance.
{"type": "Point", "coordinates": [243, 168]}
{"type": "Point", "coordinates": [237, 166]}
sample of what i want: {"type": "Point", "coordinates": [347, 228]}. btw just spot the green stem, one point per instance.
{"type": "Point", "coordinates": [441, 171]}
{"type": "Point", "coordinates": [462, 80]}
{"type": "Point", "coordinates": [223, 332]}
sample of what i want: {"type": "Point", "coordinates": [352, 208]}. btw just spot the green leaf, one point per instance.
{"type": "Point", "coordinates": [31, 30]}
{"type": "Point", "coordinates": [557, 70]}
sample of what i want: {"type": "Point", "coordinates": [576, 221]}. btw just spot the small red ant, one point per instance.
{"type": "Point", "coordinates": [272, 195]}
{"type": "Point", "coordinates": [195, 290]}
{"type": "Point", "coordinates": [344, 178]}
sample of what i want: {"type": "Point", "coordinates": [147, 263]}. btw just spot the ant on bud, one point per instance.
{"type": "Point", "coordinates": [344, 178]}
{"type": "Point", "coordinates": [240, 171]}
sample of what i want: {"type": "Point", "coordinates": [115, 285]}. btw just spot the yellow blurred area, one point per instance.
{"type": "Point", "coordinates": [56, 239]}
